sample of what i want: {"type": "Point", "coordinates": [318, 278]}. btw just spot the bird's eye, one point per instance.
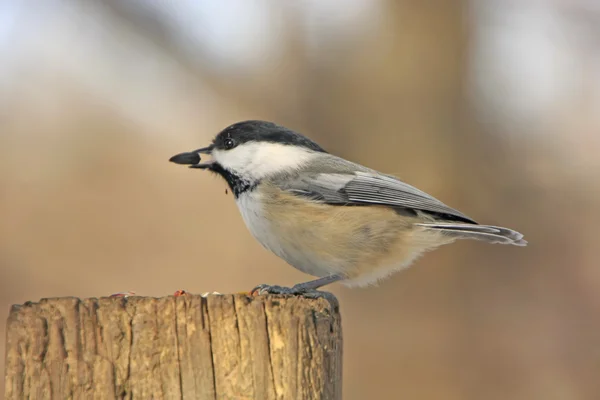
{"type": "Point", "coordinates": [229, 143]}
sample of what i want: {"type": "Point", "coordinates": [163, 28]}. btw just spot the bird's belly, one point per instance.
{"type": "Point", "coordinates": [322, 240]}
{"type": "Point", "coordinates": [253, 214]}
{"type": "Point", "coordinates": [287, 244]}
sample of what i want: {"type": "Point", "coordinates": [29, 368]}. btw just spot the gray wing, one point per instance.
{"type": "Point", "coordinates": [365, 187]}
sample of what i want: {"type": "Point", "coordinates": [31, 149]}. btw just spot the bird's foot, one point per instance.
{"type": "Point", "coordinates": [296, 290]}
{"type": "Point", "coordinates": [275, 289]}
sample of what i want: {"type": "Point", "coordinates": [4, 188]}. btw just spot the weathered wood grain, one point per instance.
{"type": "Point", "coordinates": [189, 347]}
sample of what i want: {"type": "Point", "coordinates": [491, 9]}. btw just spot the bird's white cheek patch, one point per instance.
{"type": "Point", "coordinates": [257, 160]}
{"type": "Point", "coordinates": [233, 159]}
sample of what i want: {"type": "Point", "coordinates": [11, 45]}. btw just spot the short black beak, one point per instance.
{"type": "Point", "coordinates": [191, 158]}
{"type": "Point", "coordinates": [205, 150]}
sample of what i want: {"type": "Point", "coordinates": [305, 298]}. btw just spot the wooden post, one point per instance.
{"type": "Point", "coordinates": [189, 347]}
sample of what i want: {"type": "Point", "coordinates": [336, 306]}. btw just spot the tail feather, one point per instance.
{"type": "Point", "coordinates": [491, 234]}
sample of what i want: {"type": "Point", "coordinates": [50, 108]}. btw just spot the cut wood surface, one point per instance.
{"type": "Point", "coordinates": [190, 347]}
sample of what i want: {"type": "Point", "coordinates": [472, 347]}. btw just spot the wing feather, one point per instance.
{"type": "Point", "coordinates": [363, 188]}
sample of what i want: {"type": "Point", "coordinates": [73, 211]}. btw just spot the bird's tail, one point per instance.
{"type": "Point", "coordinates": [490, 234]}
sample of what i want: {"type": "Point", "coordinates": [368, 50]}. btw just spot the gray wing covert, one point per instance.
{"type": "Point", "coordinates": [363, 188]}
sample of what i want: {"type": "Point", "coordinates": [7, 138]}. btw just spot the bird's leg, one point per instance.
{"type": "Point", "coordinates": [307, 289]}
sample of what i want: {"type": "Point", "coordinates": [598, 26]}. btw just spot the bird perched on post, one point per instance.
{"type": "Point", "coordinates": [326, 216]}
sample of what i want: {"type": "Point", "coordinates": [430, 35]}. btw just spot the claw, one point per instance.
{"type": "Point", "coordinates": [263, 289]}
{"type": "Point", "coordinates": [296, 290]}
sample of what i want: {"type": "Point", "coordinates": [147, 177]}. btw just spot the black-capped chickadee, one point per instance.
{"type": "Point", "coordinates": [326, 216]}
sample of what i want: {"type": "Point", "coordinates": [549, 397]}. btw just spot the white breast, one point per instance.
{"type": "Point", "coordinates": [283, 243]}
{"type": "Point", "coordinates": [251, 208]}
{"type": "Point", "coordinates": [252, 212]}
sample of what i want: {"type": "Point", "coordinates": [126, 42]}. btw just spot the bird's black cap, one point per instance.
{"type": "Point", "coordinates": [263, 131]}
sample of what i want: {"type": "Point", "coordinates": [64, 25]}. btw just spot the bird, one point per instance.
{"type": "Point", "coordinates": [328, 217]}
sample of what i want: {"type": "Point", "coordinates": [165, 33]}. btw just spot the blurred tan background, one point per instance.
{"type": "Point", "coordinates": [492, 106]}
